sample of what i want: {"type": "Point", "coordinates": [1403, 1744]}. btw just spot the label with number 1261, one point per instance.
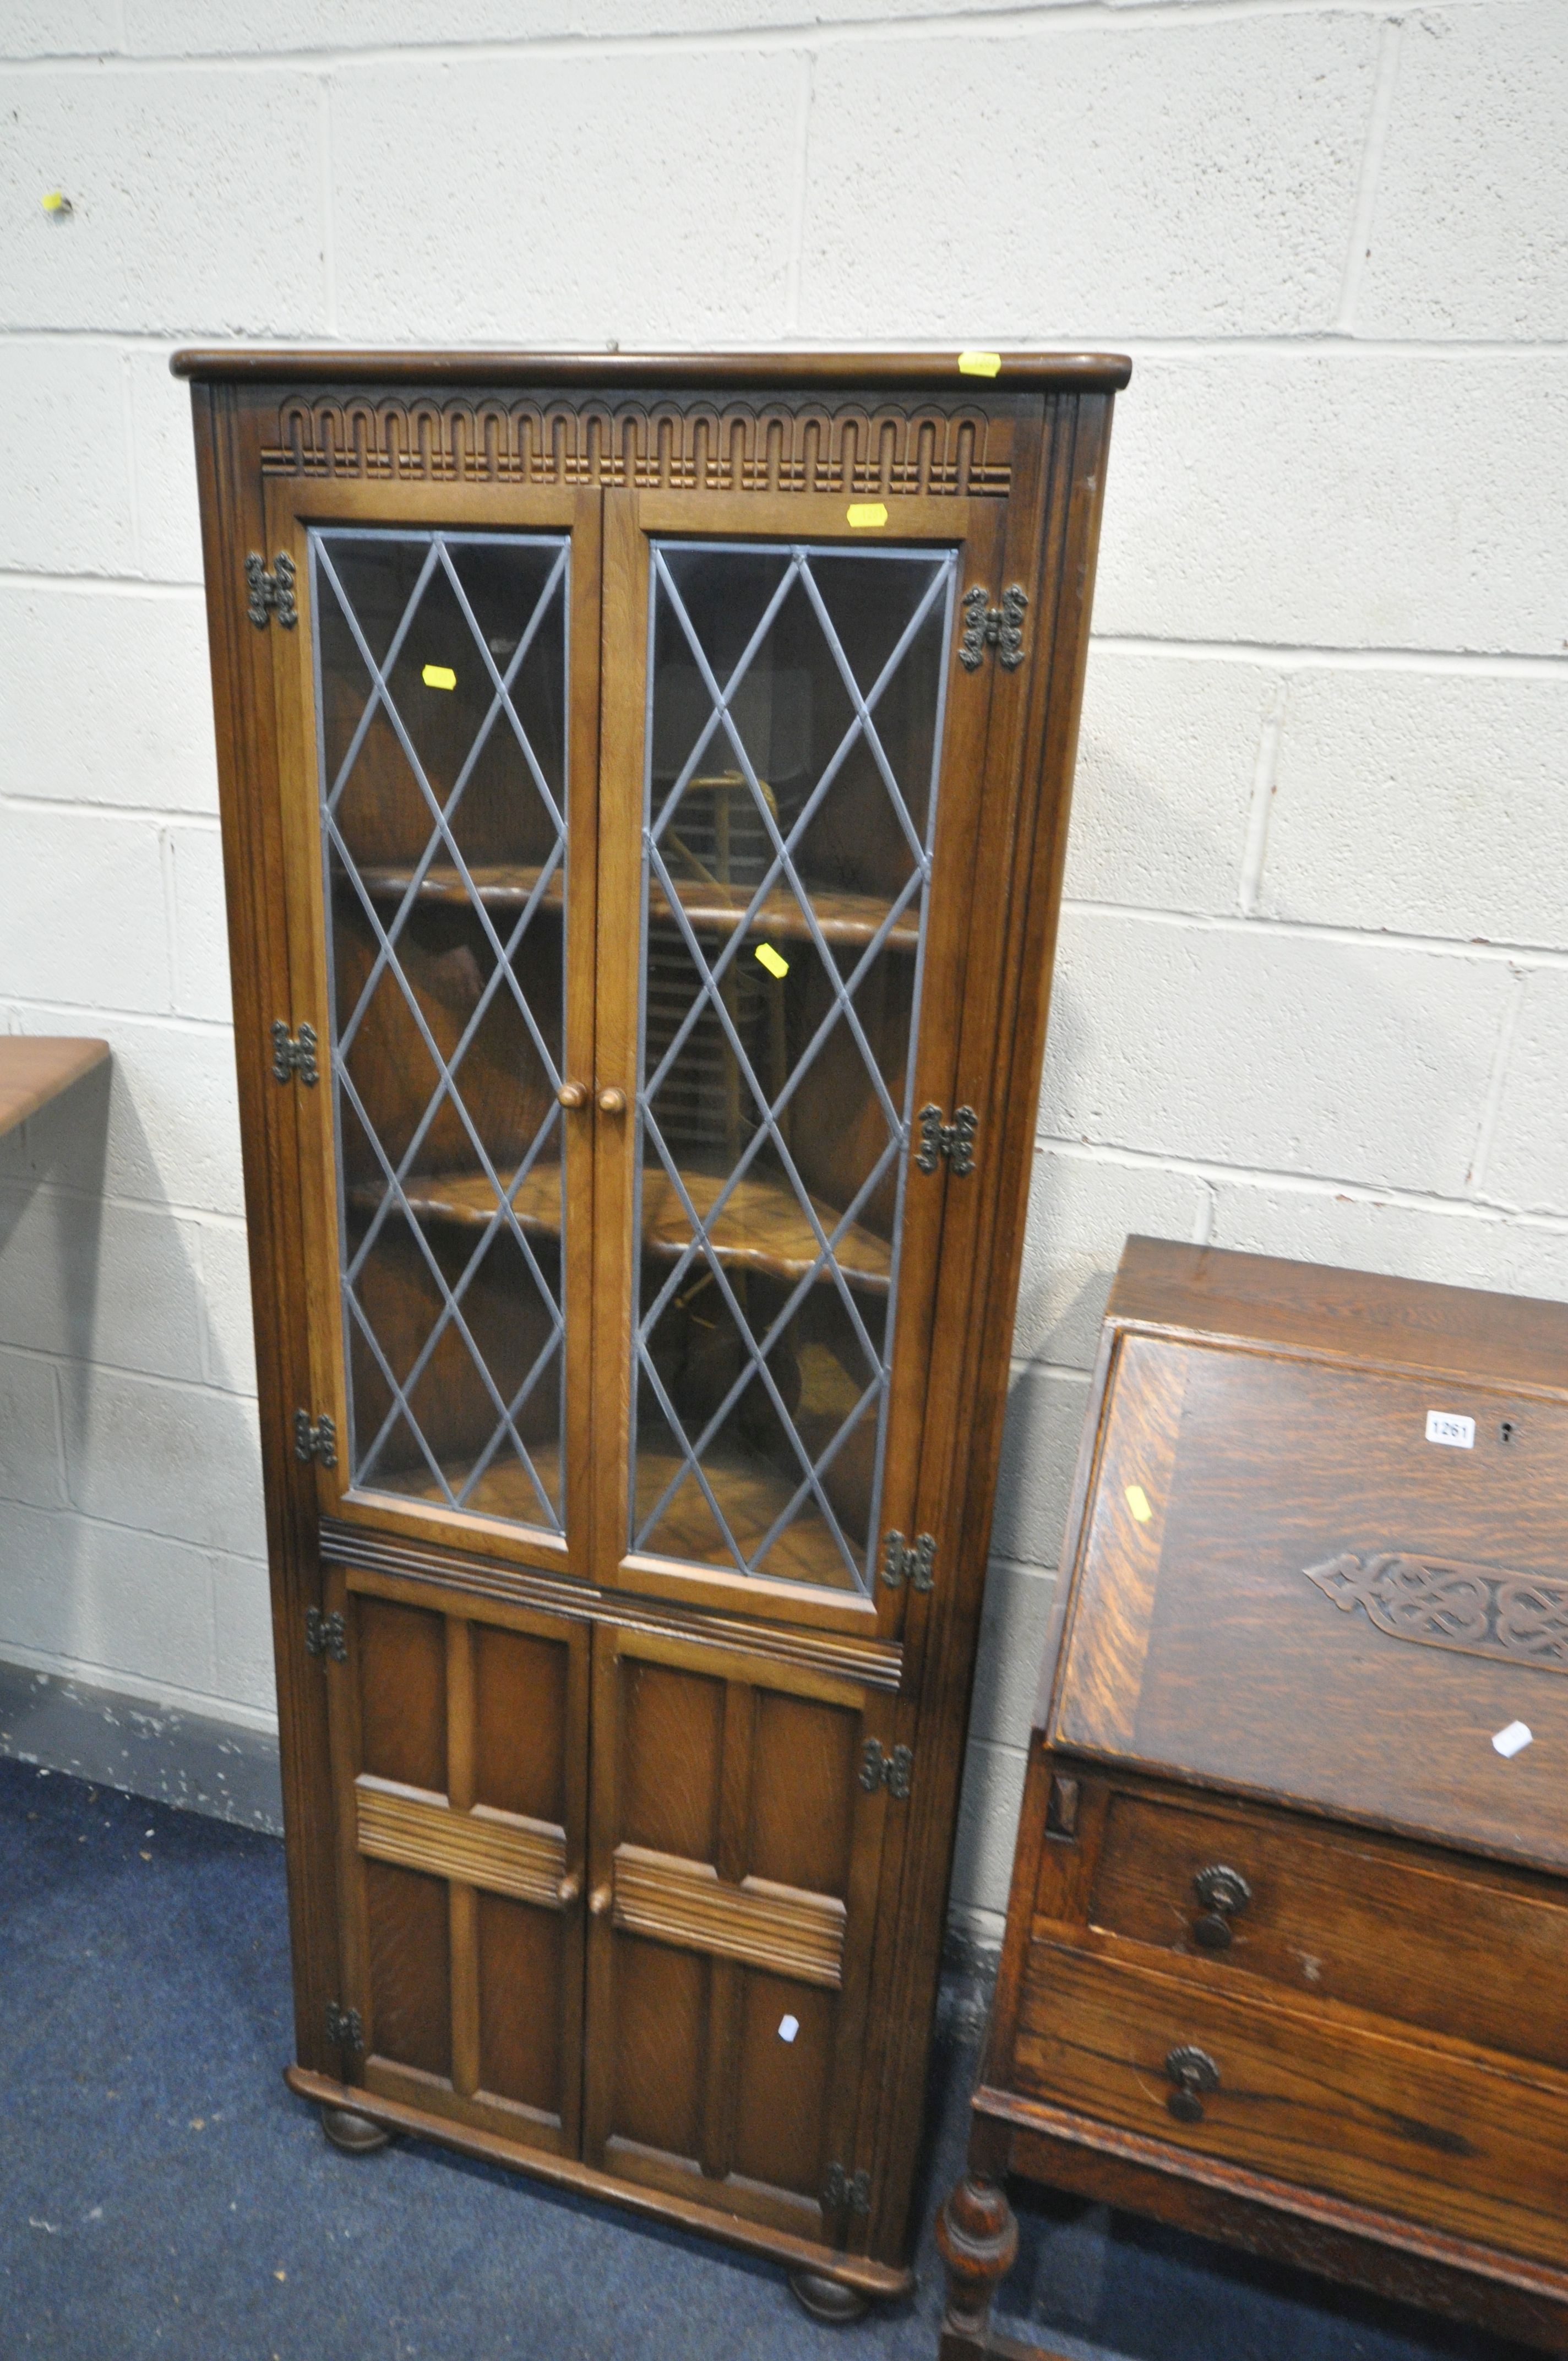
{"type": "Point", "coordinates": [1446, 1426]}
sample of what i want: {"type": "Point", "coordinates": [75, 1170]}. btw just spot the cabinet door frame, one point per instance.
{"type": "Point", "coordinates": [292, 508]}
{"type": "Point", "coordinates": [461, 2098]}
{"type": "Point", "coordinates": [975, 528]}
{"type": "Point", "coordinates": [743, 1676]}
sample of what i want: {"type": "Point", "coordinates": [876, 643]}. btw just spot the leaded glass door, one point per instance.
{"type": "Point", "coordinates": [778, 765]}
{"type": "Point", "coordinates": [448, 780]}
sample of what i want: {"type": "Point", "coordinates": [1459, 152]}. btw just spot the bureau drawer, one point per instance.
{"type": "Point", "coordinates": [1474, 1956]}
{"type": "Point", "coordinates": [1452, 2143]}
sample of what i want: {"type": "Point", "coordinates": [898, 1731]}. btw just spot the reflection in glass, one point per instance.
{"type": "Point", "coordinates": [794, 720]}
{"type": "Point", "coordinates": [441, 696]}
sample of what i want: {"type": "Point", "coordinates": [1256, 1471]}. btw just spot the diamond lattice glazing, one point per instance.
{"type": "Point", "coordinates": [793, 725]}
{"type": "Point", "coordinates": [440, 691]}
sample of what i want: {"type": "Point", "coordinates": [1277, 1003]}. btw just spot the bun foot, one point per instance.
{"type": "Point", "coordinates": [355, 2135]}
{"type": "Point", "coordinates": [827, 2299]}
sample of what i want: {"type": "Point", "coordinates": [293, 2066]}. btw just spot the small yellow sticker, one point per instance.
{"type": "Point", "coordinates": [770, 959]}
{"type": "Point", "coordinates": [1138, 1501]}
{"type": "Point", "coordinates": [980, 364]}
{"type": "Point", "coordinates": [56, 201]}
{"type": "Point", "coordinates": [868, 512]}
{"type": "Point", "coordinates": [439, 676]}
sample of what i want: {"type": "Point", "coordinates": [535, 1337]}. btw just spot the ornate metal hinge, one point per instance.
{"type": "Point", "coordinates": [1000, 628]}
{"type": "Point", "coordinates": [903, 1562]}
{"type": "Point", "coordinates": [345, 2028]}
{"type": "Point", "coordinates": [840, 2190]}
{"type": "Point", "coordinates": [271, 593]}
{"type": "Point", "coordinates": [326, 1635]}
{"type": "Point", "coordinates": [954, 1141]}
{"type": "Point", "coordinates": [293, 1053]}
{"type": "Point", "coordinates": [315, 1438]}
{"type": "Point", "coordinates": [890, 1771]}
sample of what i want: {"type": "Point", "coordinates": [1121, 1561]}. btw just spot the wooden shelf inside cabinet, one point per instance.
{"type": "Point", "coordinates": [503, 1490]}
{"type": "Point", "coordinates": [751, 1496]}
{"type": "Point", "coordinates": [762, 1228]}
{"type": "Point", "coordinates": [844, 919]}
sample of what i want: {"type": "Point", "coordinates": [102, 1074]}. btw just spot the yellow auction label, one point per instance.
{"type": "Point", "coordinates": [861, 513]}
{"type": "Point", "coordinates": [439, 676]}
{"type": "Point", "coordinates": [980, 364]}
{"type": "Point", "coordinates": [772, 961]}
{"type": "Point", "coordinates": [1138, 1501]}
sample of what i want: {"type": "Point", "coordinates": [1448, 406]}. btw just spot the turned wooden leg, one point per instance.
{"type": "Point", "coordinates": [354, 2133]}
{"type": "Point", "coordinates": [978, 2238]}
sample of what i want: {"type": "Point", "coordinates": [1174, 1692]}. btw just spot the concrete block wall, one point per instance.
{"type": "Point", "coordinates": [1313, 986]}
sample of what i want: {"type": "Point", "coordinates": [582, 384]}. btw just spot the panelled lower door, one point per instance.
{"type": "Point", "coordinates": [733, 1862]}
{"type": "Point", "coordinates": [460, 1754]}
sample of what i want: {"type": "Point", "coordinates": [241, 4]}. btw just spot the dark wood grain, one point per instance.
{"type": "Point", "coordinates": [1249, 1674]}
{"type": "Point", "coordinates": [728, 1839]}
{"type": "Point", "coordinates": [1467, 2147]}
{"type": "Point", "coordinates": [340, 365]}
{"type": "Point", "coordinates": [1302, 2228]}
{"type": "Point", "coordinates": [1422, 1940]}
{"type": "Point", "coordinates": [1221, 1694]}
{"type": "Point", "coordinates": [400, 1661]}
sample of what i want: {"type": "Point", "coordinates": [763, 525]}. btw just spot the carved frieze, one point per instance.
{"type": "Point", "coordinates": [1516, 1619]}
{"type": "Point", "coordinates": [654, 443]}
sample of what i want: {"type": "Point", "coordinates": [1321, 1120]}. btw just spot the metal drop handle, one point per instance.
{"type": "Point", "coordinates": [1224, 1894]}
{"type": "Point", "coordinates": [1194, 2073]}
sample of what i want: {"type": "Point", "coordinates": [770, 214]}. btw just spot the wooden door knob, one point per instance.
{"type": "Point", "coordinates": [600, 1899]}
{"type": "Point", "coordinates": [568, 1890]}
{"type": "Point", "coordinates": [573, 1094]}
{"type": "Point", "coordinates": [612, 1102]}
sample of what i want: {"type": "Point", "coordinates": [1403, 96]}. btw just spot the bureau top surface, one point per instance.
{"type": "Point", "coordinates": [929, 372]}
{"type": "Point", "coordinates": [1319, 1550]}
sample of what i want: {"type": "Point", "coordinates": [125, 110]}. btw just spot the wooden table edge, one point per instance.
{"type": "Point", "coordinates": [36, 1068]}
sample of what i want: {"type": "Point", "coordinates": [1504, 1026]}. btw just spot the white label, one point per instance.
{"type": "Point", "coordinates": [790, 2025]}
{"type": "Point", "coordinates": [1514, 1740]}
{"type": "Point", "coordinates": [1446, 1426]}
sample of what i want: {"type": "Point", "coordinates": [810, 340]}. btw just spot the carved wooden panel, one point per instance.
{"type": "Point", "coordinates": [734, 1851]}
{"type": "Point", "coordinates": [463, 1857]}
{"type": "Point", "coordinates": [767, 1926]}
{"type": "Point", "coordinates": [497, 1850]}
{"type": "Point", "coordinates": [654, 443]}
{"type": "Point", "coordinates": [1520, 1619]}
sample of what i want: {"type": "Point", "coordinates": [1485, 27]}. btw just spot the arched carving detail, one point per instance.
{"type": "Point", "coordinates": [843, 448]}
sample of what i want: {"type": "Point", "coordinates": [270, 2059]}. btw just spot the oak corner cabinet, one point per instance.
{"type": "Point", "coordinates": [644, 792]}
{"type": "Point", "coordinates": [1286, 1937]}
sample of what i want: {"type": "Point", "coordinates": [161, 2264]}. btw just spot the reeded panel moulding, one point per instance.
{"type": "Point", "coordinates": [878, 1663]}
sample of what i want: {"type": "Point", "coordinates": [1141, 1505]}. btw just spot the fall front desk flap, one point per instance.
{"type": "Point", "coordinates": [1324, 1558]}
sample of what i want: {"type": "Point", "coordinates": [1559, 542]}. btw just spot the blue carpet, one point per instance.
{"type": "Point", "coordinates": [162, 2194]}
